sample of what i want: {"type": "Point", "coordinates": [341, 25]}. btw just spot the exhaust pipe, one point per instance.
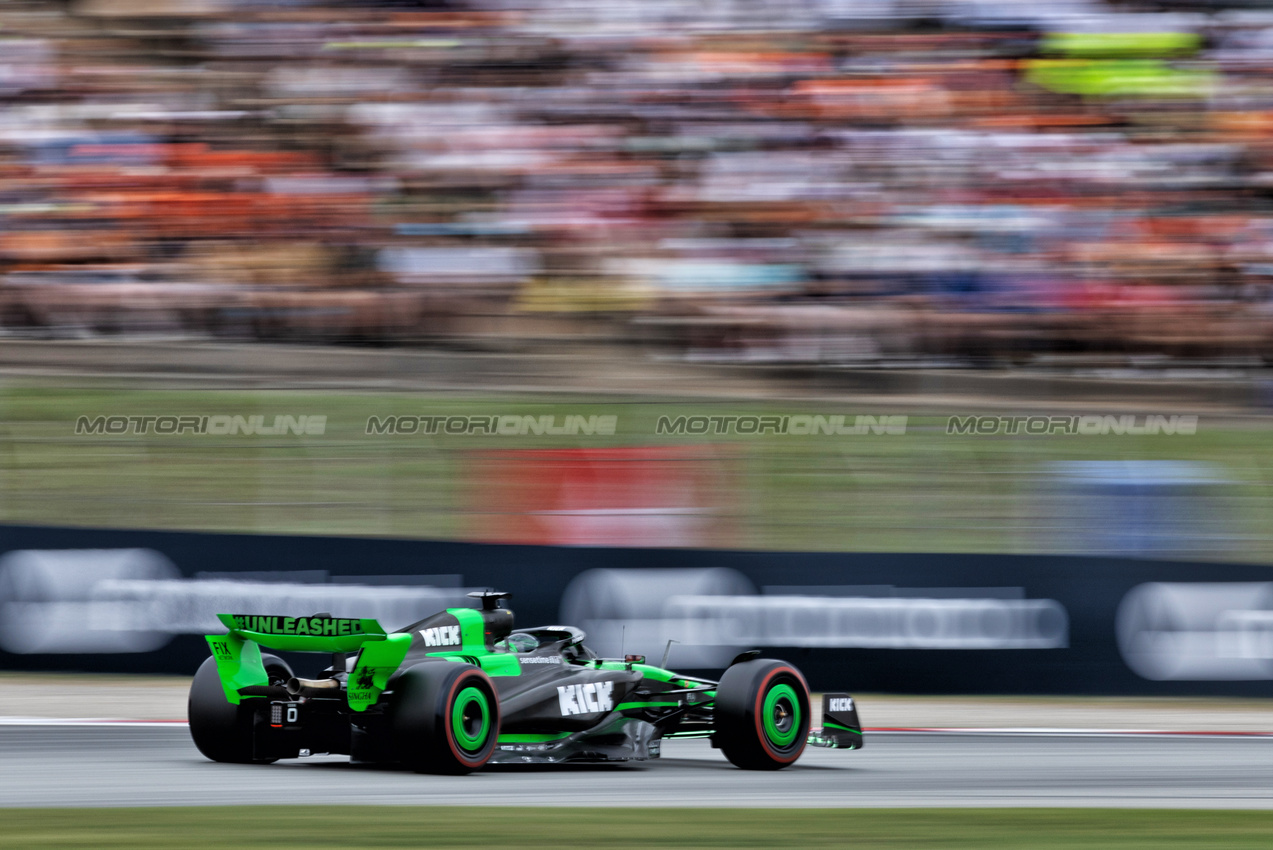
{"type": "Point", "coordinates": [296, 686]}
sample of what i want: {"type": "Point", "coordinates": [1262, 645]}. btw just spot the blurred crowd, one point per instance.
{"type": "Point", "coordinates": [827, 181]}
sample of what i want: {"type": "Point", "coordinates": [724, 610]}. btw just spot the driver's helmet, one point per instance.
{"type": "Point", "coordinates": [519, 642]}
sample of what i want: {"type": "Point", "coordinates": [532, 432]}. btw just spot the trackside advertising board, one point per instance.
{"type": "Point", "coordinates": [141, 601]}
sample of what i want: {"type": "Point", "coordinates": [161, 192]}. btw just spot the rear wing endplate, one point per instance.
{"type": "Point", "coordinates": [238, 654]}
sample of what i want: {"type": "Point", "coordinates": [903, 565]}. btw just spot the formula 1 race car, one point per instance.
{"type": "Point", "coordinates": [462, 688]}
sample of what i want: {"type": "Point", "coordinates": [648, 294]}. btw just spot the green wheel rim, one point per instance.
{"type": "Point", "coordinates": [471, 718]}
{"type": "Point", "coordinates": [781, 715]}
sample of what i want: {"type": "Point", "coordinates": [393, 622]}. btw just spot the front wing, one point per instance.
{"type": "Point", "coordinates": [841, 728]}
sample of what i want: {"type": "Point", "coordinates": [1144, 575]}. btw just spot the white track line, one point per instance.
{"type": "Point", "coordinates": [1067, 732]}
{"type": "Point", "coordinates": [907, 730]}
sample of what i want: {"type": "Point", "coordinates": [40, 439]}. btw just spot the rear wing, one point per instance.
{"type": "Point", "coordinates": [238, 654]}
{"type": "Point", "coordinates": [303, 634]}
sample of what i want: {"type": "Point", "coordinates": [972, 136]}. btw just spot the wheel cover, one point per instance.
{"type": "Point", "coordinates": [471, 719]}
{"type": "Point", "coordinates": [781, 716]}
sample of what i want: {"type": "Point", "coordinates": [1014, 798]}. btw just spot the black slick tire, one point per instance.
{"type": "Point", "coordinates": [444, 718]}
{"type": "Point", "coordinates": [221, 730]}
{"type": "Point", "coordinates": [762, 714]}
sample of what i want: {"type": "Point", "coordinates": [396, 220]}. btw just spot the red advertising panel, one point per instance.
{"type": "Point", "coordinates": [634, 496]}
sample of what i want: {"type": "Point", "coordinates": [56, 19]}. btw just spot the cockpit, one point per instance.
{"type": "Point", "coordinates": [566, 641]}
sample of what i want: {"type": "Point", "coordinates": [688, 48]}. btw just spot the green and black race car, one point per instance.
{"type": "Point", "coordinates": [462, 689]}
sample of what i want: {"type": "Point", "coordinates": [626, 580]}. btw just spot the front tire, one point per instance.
{"type": "Point", "coordinates": [762, 714]}
{"type": "Point", "coordinates": [444, 718]}
{"type": "Point", "coordinates": [222, 730]}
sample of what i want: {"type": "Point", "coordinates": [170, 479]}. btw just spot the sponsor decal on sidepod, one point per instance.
{"type": "Point", "coordinates": [441, 636]}
{"type": "Point", "coordinates": [589, 698]}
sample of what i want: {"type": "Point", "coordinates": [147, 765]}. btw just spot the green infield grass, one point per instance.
{"type": "Point", "coordinates": [922, 491]}
{"type": "Point", "coordinates": [637, 828]}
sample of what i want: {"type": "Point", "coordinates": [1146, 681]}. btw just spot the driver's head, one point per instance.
{"type": "Point", "coordinates": [521, 643]}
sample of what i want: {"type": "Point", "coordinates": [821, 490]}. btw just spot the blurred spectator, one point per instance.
{"type": "Point", "coordinates": [834, 181]}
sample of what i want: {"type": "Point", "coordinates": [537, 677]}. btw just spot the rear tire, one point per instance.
{"type": "Point", "coordinates": [762, 714]}
{"type": "Point", "coordinates": [444, 718]}
{"type": "Point", "coordinates": [222, 730]}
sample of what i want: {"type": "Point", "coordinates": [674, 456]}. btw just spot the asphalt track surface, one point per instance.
{"type": "Point", "coordinates": [144, 765]}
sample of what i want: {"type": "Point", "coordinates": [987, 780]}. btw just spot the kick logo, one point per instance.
{"type": "Point", "coordinates": [441, 636]}
{"type": "Point", "coordinates": [840, 704]}
{"type": "Point", "coordinates": [585, 699]}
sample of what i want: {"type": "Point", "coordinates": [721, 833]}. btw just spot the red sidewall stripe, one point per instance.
{"type": "Point", "coordinates": [758, 712]}
{"type": "Point", "coordinates": [459, 684]}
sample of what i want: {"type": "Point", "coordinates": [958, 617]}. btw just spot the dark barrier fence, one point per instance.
{"type": "Point", "coordinates": [139, 601]}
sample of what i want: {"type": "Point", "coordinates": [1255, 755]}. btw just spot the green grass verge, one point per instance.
{"type": "Point", "coordinates": [924, 491]}
{"type": "Point", "coordinates": [636, 828]}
